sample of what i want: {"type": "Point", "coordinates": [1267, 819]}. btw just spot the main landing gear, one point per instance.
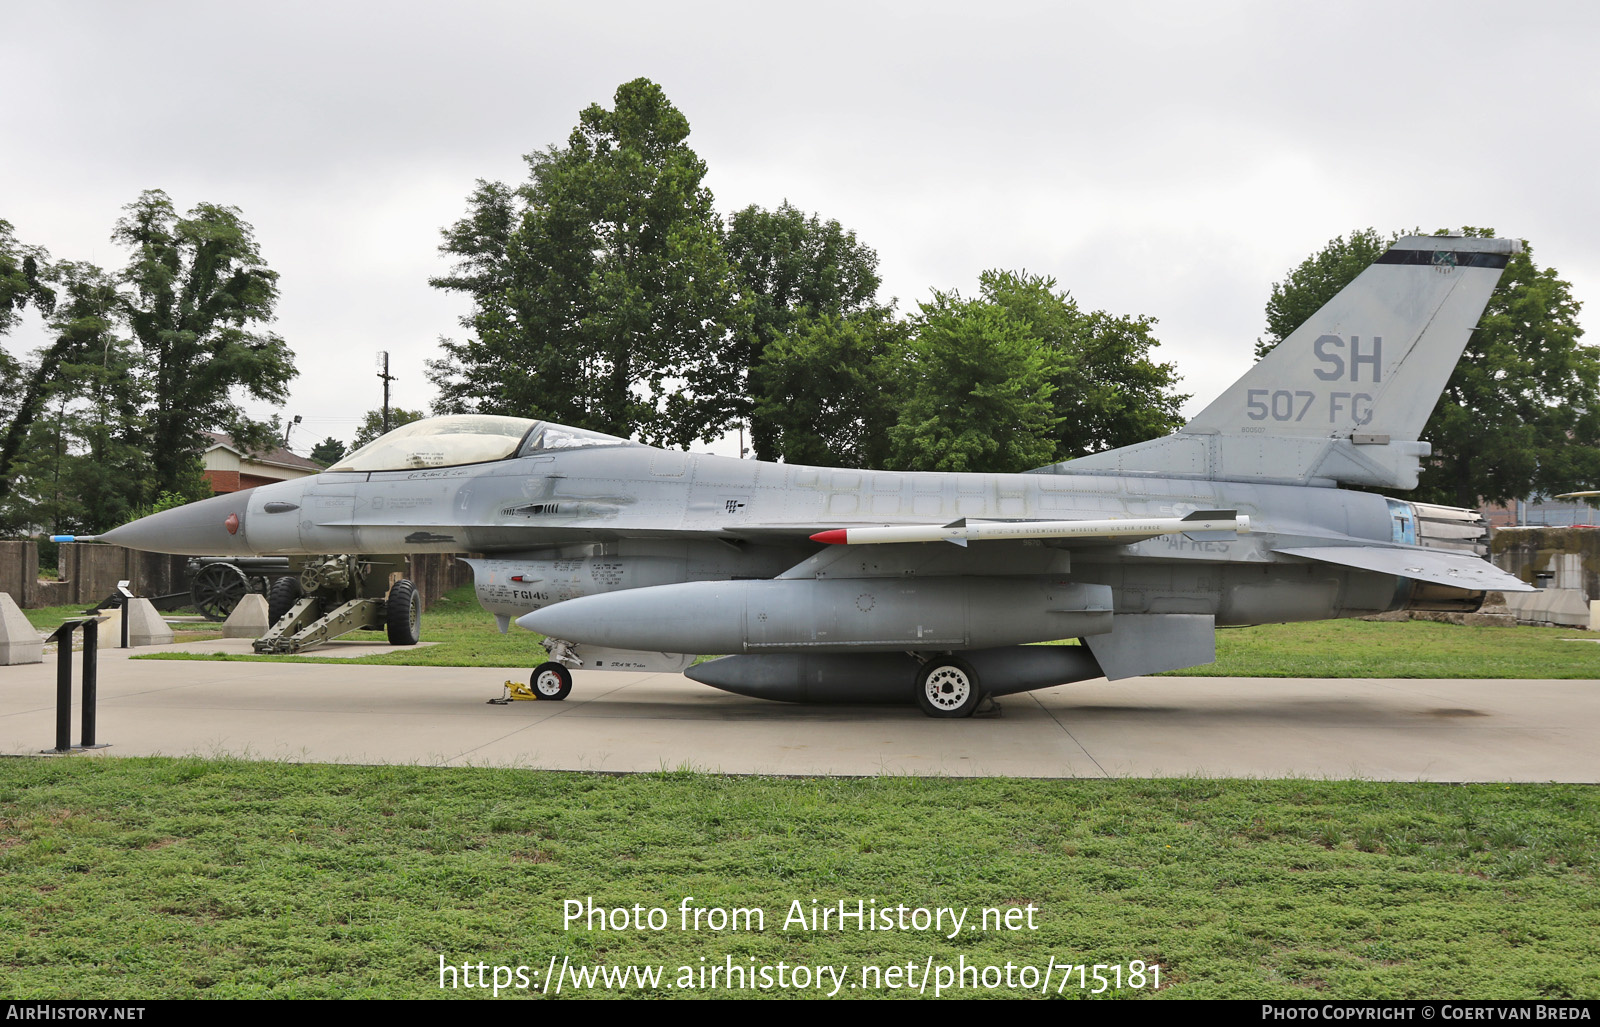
{"type": "Point", "coordinates": [948, 687]}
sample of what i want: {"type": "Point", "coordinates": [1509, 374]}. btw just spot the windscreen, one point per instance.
{"type": "Point", "coordinates": [441, 442]}
{"type": "Point", "coordinates": [553, 437]}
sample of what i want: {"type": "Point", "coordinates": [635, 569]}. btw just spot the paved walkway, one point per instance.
{"type": "Point", "coordinates": [1227, 727]}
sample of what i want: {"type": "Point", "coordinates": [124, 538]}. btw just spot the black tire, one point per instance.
{"type": "Point", "coordinates": [217, 589]}
{"type": "Point", "coordinates": [403, 614]}
{"type": "Point", "coordinates": [551, 681]}
{"type": "Point", "coordinates": [948, 687]}
{"type": "Point", "coordinates": [281, 597]}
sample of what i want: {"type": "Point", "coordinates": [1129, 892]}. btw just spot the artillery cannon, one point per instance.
{"type": "Point", "coordinates": [217, 583]}
{"type": "Point", "coordinates": [334, 595]}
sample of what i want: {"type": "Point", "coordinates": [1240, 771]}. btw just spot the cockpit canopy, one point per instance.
{"type": "Point", "coordinates": [467, 439]}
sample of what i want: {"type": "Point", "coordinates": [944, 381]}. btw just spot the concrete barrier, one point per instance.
{"type": "Point", "coordinates": [19, 642]}
{"type": "Point", "coordinates": [145, 626]}
{"type": "Point", "coordinates": [1563, 607]}
{"type": "Point", "coordinates": [248, 619]}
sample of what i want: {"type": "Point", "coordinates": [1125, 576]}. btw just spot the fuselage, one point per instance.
{"type": "Point", "coordinates": [624, 556]}
{"type": "Point", "coordinates": [613, 515]}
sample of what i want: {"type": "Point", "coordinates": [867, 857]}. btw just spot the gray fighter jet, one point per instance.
{"type": "Point", "coordinates": [829, 585]}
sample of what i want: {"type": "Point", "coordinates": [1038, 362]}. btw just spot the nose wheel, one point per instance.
{"type": "Point", "coordinates": [948, 688]}
{"type": "Point", "coordinates": [551, 681]}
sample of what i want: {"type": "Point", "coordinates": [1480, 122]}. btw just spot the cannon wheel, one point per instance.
{"type": "Point", "coordinates": [281, 597]}
{"type": "Point", "coordinates": [403, 614]}
{"type": "Point", "coordinates": [217, 589]}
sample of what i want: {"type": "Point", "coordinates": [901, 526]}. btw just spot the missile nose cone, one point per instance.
{"type": "Point", "coordinates": [211, 527]}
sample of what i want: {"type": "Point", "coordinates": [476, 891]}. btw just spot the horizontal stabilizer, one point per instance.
{"type": "Point", "coordinates": [1436, 566]}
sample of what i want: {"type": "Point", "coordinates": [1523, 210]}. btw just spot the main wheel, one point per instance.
{"type": "Point", "coordinates": [217, 589]}
{"type": "Point", "coordinates": [551, 681]}
{"type": "Point", "coordinates": [281, 597]}
{"type": "Point", "coordinates": [948, 687]}
{"type": "Point", "coordinates": [403, 614]}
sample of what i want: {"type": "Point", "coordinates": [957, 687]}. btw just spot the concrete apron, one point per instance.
{"type": "Point", "coordinates": [1439, 730]}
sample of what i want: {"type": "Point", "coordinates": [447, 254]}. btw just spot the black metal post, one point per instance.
{"type": "Point", "coordinates": [91, 665]}
{"type": "Point", "coordinates": [62, 636]}
{"type": "Point", "coordinates": [126, 594]}
{"type": "Point", "coordinates": [64, 688]}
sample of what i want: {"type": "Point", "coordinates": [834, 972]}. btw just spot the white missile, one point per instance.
{"type": "Point", "coordinates": [963, 531]}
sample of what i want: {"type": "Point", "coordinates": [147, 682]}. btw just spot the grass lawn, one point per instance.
{"type": "Point", "coordinates": [1405, 649]}
{"type": "Point", "coordinates": [149, 878]}
{"type": "Point", "coordinates": [144, 878]}
{"type": "Point", "coordinates": [463, 635]}
{"type": "Point", "coordinates": [46, 619]}
{"type": "Point", "coordinates": [467, 637]}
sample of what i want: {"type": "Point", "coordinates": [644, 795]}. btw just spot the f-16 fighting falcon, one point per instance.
{"type": "Point", "coordinates": [817, 584]}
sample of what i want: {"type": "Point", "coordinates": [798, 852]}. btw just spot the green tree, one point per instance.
{"type": "Point", "coordinates": [1108, 392]}
{"type": "Point", "coordinates": [790, 267]}
{"type": "Point", "coordinates": [372, 425]}
{"type": "Point", "coordinates": [75, 473]}
{"type": "Point", "coordinates": [87, 361]}
{"type": "Point", "coordinates": [1520, 415]}
{"type": "Point", "coordinates": [828, 393]}
{"type": "Point", "coordinates": [498, 368]}
{"type": "Point", "coordinates": [601, 292]}
{"type": "Point", "coordinates": [24, 278]}
{"type": "Point", "coordinates": [24, 281]}
{"type": "Point", "coordinates": [197, 299]}
{"type": "Point", "coordinates": [977, 387]}
{"type": "Point", "coordinates": [328, 451]}
{"type": "Point", "coordinates": [1318, 279]}
{"type": "Point", "coordinates": [112, 467]}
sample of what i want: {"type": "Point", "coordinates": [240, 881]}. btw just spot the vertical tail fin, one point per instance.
{"type": "Point", "coordinates": [1344, 398]}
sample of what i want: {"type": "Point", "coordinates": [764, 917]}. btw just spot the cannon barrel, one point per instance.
{"type": "Point", "coordinates": [248, 564]}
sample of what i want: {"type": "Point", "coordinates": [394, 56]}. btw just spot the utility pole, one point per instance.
{"type": "Point", "coordinates": [383, 362]}
{"type": "Point", "coordinates": [61, 430]}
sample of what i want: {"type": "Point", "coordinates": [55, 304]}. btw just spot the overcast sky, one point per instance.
{"type": "Point", "coordinates": [1169, 159]}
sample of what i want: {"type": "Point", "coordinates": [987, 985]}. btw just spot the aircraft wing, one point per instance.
{"type": "Point", "coordinates": [1437, 566]}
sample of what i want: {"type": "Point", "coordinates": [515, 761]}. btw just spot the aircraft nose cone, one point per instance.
{"type": "Point", "coordinates": [211, 527]}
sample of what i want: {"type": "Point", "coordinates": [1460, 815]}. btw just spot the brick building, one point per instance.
{"type": "Point", "coordinates": [1541, 512]}
{"type": "Point", "coordinates": [230, 469]}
